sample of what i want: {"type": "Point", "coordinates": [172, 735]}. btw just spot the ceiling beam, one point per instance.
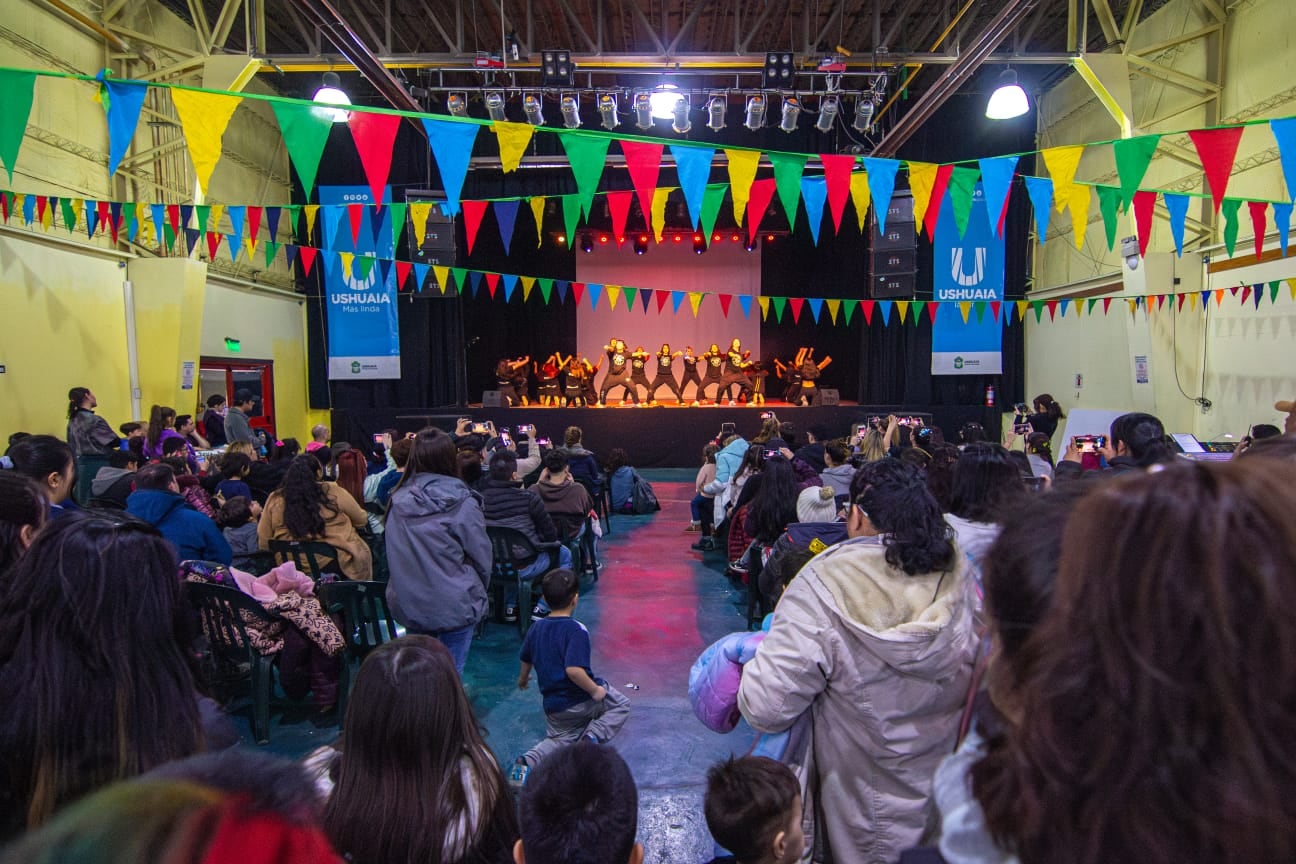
{"type": "Point", "coordinates": [224, 24]}
{"type": "Point", "coordinates": [1107, 21]}
{"type": "Point", "coordinates": [687, 26]}
{"type": "Point", "coordinates": [1191, 83]}
{"type": "Point", "coordinates": [1158, 47]}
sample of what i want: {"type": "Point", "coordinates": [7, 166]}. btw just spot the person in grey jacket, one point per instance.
{"type": "Point", "coordinates": [237, 427]}
{"type": "Point", "coordinates": [839, 472]}
{"type": "Point", "coordinates": [87, 432]}
{"type": "Point", "coordinates": [438, 554]}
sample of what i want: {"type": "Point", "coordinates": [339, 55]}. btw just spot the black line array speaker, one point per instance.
{"type": "Point", "coordinates": [893, 254]}
{"type": "Point", "coordinates": [437, 245]}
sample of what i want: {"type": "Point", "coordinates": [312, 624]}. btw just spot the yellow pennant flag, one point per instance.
{"type": "Point", "coordinates": [537, 210]}
{"type": "Point", "coordinates": [742, 171]}
{"type": "Point", "coordinates": [19, 199]}
{"type": "Point", "coordinates": [903, 306]}
{"type": "Point", "coordinates": [251, 246]}
{"type": "Point", "coordinates": [764, 304]}
{"type": "Point", "coordinates": [78, 205]}
{"type": "Point", "coordinates": [965, 306]}
{"type": "Point", "coordinates": [312, 210]}
{"type": "Point", "coordinates": [834, 306]}
{"type": "Point", "coordinates": [1291, 286]}
{"type": "Point", "coordinates": [1021, 310]}
{"type": "Point", "coordinates": [528, 283]}
{"type": "Point", "coordinates": [1062, 163]}
{"type": "Point", "coordinates": [419, 214]}
{"type": "Point", "coordinates": [695, 300]}
{"type": "Point", "coordinates": [346, 258]}
{"type": "Point", "coordinates": [1192, 302]}
{"type": "Point", "coordinates": [859, 190]}
{"type": "Point", "coordinates": [1079, 207]}
{"type": "Point", "coordinates": [1079, 307]}
{"type": "Point", "coordinates": [513, 141]}
{"type": "Point", "coordinates": [203, 118]}
{"type": "Point", "coordinates": [613, 295]}
{"type": "Point", "coordinates": [214, 217]}
{"type": "Point", "coordinates": [1133, 305]}
{"type": "Point", "coordinates": [47, 218]}
{"type": "Point", "coordinates": [442, 275]}
{"type": "Point", "coordinates": [659, 212]}
{"type": "Point", "coordinates": [141, 215]}
{"type": "Point", "coordinates": [922, 181]}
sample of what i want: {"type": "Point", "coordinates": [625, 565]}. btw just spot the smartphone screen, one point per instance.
{"type": "Point", "coordinates": [480, 428]}
{"type": "Point", "coordinates": [770, 454]}
{"type": "Point", "coordinates": [378, 439]}
{"type": "Point", "coordinates": [765, 415]}
{"type": "Point", "coordinates": [543, 442]}
{"type": "Point", "coordinates": [728, 428]}
{"type": "Point", "coordinates": [525, 427]}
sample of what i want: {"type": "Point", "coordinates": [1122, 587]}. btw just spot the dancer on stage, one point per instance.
{"type": "Point", "coordinates": [735, 362]}
{"type": "Point", "coordinates": [579, 374]}
{"type": "Point", "coordinates": [809, 375]}
{"type": "Point", "coordinates": [691, 375]}
{"type": "Point", "coordinates": [714, 360]}
{"type": "Point", "coordinates": [665, 375]}
{"type": "Point", "coordinates": [547, 379]}
{"type": "Point", "coordinates": [639, 372]}
{"type": "Point", "coordinates": [790, 373]}
{"type": "Point", "coordinates": [618, 374]}
{"type": "Point", "coordinates": [505, 375]}
{"type": "Point", "coordinates": [757, 373]}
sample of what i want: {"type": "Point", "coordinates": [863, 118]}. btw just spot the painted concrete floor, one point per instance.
{"type": "Point", "coordinates": [656, 606]}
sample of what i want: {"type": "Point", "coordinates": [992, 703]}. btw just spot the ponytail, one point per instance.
{"type": "Point", "coordinates": [158, 416]}
{"type": "Point", "coordinates": [76, 396]}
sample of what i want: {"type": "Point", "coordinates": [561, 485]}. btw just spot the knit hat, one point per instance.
{"type": "Point", "coordinates": [817, 504]}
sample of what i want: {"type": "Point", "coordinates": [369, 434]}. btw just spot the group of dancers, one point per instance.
{"type": "Point", "coordinates": [735, 376]}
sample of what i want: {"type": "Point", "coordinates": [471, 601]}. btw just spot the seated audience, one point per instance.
{"type": "Point", "coordinates": [186, 426]}
{"type": "Point", "coordinates": [23, 512]}
{"type": "Point", "coordinates": [812, 452]}
{"type": "Point", "coordinates": [131, 431]}
{"type": "Point", "coordinates": [839, 471]}
{"type": "Point", "coordinates": [399, 457]}
{"type": "Point", "coordinates": [308, 507]}
{"type": "Point", "coordinates": [564, 499]}
{"type": "Point", "coordinates": [753, 809]}
{"type": "Point", "coordinates": [873, 644]}
{"type": "Point", "coordinates": [237, 520]}
{"type": "Point", "coordinates": [1282, 447]}
{"type": "Point", "coordinates": [1039, 451]}
{"type": "Point", "coordinates": [621, 478]}
{"type": "Point", "coordinates": [192, 488]}
{"type": "Point", "coordinates": [234, 471]}
{"type": "Point", "coordinates": [157, 501]}
{"type": "Point", "coordinates": [580, 806]}
{"type": "Point", "coordinates": [702, 507]}
{"type": "Point", "coordinates": [161, 427]}
{"type": "Point", "coordinates": [774, 504]}
{"type": "Point", "coordinates": [213, 421]}
{"type": "Point", "coordinates": [937, 464]}
{"type": "Point", "coordinates": [267, 475]}
{"type": "Point", "coordinates": [319, 438]}
{"type": "Point", "coordinates": [470, 469]}
{"type": "Point", "coordinates": [115, 480]}
{"type": "Point", "coordinates": [412, 777]}
{"type": "Point", "coordinates": [49, 462]}
{"type": "Point", "coordinates": [1258, 432]}
{"type": "Point", "coordinates": [581, 462]}
{"type": "Point", "coordinates": [95, 684]}
{"type": "Point", "coordinates": [985, 485]}
{"type": "Point", "coordinates": [87, 432]}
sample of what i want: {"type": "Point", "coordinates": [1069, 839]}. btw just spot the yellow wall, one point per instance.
{"type": "Point", "coordinates": [169, 295]}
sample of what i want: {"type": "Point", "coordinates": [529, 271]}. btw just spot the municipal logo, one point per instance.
{"type": "Point", "coordinates": [958, 362]}
{"type": "Point", "coordinates": [355, 367]}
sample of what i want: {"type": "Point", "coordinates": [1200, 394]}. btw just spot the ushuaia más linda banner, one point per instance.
{"type": "Point", "coordinates": [969, 268]}
{"type": "Point", "coordinates": [363, 332]}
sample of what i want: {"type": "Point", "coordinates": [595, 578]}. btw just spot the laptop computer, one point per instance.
{"type": "Point", "coordinates": [1191, 448]}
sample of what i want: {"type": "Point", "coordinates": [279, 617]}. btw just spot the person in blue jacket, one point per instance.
{"type": "Point", "coordinates": [157, 500]}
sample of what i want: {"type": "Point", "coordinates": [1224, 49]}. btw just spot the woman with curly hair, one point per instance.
{"type": "Point", "coordinates": [307, 507]}
{"type": "Point", "coordinates": [873, 643]}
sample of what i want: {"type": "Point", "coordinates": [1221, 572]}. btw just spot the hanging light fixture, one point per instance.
{"type": "Point", "coordinates": [331, 93]}
{"type": "Point", "coordinates": [643, 110]}
{"type": "Point", "coordinates": [570, 106]}
{"type": "Point", "coordinates": [791, 111]}
{"type": "Point", "coordinates": [457, 104]}
{"type": "Point", "coordinates": [755, 112]}
{"type": "Point", "coordinates": [607, 108]}
{"type": "Point", "coordinates": [828, 108]}
{"type": "Point", "coordinates": [663, 99]}
{"type": "Point", "coordinates": [715, 108]}
{"type": "Point", "coordinates": [863, 113]}
{"type": "Point", "coordinates": [532, 108]}
{"type": "Point", "coordinates": [495, 105]}
{"type": "Point", "coordinates": [681, 124]}
{"type": "Point", "coordinates": [1008, 100]}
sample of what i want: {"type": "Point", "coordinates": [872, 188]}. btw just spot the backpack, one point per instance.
{"type": "Point", "coordinates": [642, 498]}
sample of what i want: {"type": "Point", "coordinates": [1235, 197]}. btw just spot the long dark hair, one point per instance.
{"type": "Point", "coordinates": [411, 738]}
{"type": "Point", "coordinates": [1144, 438]}
{"type": "Point", "coordinates": [433, 452]}
{"type": "Point", "coordinates": [92, 670]}
{"type": "Point", "coordinates": [76, 396]}
{"type": "Point", "coordinates": [39, 456]}
{"type": "Point", "coordinates": [160, 418]}
{"type": "Point", "coordinates": [1041, 445]}
{"type": "Point", "coordinates": [774, 504]}
{"type": "Point", "coordinates": [304, 499]}
{"type": "Point", "coordinates": [894, 496]}
{"type": "Point", "coordinates": [986, 482]}
{"type": "Point", "coordinates": [1157, 721]}
{"type": "Point", "coordinates": [1049, 405]}
{"type": "Point", "coordinates": [22, 505]}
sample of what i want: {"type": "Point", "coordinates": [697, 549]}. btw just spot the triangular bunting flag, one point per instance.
{"type": "Point", "coordinates": [420, 276]}
{"type": "Point", "coordinates": [397, 214]}
{"type": "Point", "coordinates": [305, 131]}
{"type": "Point", "coordinates": [788, 168]}
{"type": "Point", "coordinates": [546, 287]}
{"type": "Point", "coordinates": [1062, 163]}
{"type": "Point", "coordinates": [578, 292]}
{"type": "Point", "coordinates": [662, 297]}
{"type": "Point", "coordinates": [1282, 222]}
{"type": "Point", "coordinates": [962, 188]}
{"type": "Point", "coordinates": [402, 273]}
{"type": "Point", "coordinates": [764, 307]}
{"type": "Point", "coordinates": [693, 168]}
{"type": "Point", "coordinates": [1109, 200]}
{"type": "Point", "coordinates": [814, 191]}
{"type": "Point", "coordinates": [1040, 190]}
{"type": "Point", "coordinates": [695, 300]}
{"type": "Point", "coordinates": [1177, 205]}
{"type": "Point", "coordinates": [587, 155]}
{"type": "Point", "coordinates": [563, 287]}
{"type": "Point", "coordinates": [725, 301]}
{"type": "Point", "coordinates": [837, 174]}
{"type": "Point", "coordinates": [1230, 208]}
{"type": "Point", "coordinates": [306, 254]}
{"type": "Point", "coordinates": [1133, 155]}
{"type": "Point", "coordinates": [860, 197]}
{"type": "Point", "coordinates": [742, 171]}
{"type": "Point", "coordinates": [922, 180]}
{"type": "Point", "coordinates": [613, 295]}
{"type": "Point", "coordinates": [124, 101]}
{"type": "Point", "coordinates": [1257, 210]}
{"type": "Point", "coordinates": [797, 304]}
{"type": "Point", "coordinates": [745, 301]}
{"type": "Point", "coordinates": [355, 217]}
{"type": "Point", "coordinates": [816, 307]}
{"type": "Point", "coordinates": [506, 218]}
{"type": "Point", "coordinates": [1144, 209]}
{"type": "Point", "coordinates": [885, 307]}
{"type": "Point", "coordinates": [510, 283]}
{"type": "Point", "coordinates": [1217, 148]}
{"type": "Point", "coordinates": [903, 306]}
{"type": "Point", "coordinates": [452, 146]}
{"type": "Point", "coordinates": [712, 198]}
{"type": "Point", "coordinates": [18, 88]}
{"type": "Point", "coordinates": [474, 284]}
{"type": "Point", "coordinates": [659, 212]}
{"type": "Point", "coordinates": [881, 180]}
{"type": "Point", "coordinates": [513, 140]}
{"type": "Point", "coordinates": [1079, 207]}
{"type": "Point", "coordinates": [868, 306]}
{"type": "Point", "coordinates": [645, 298]}
{"type": "Point", "coordinates": [761, 193]}
{"type": "Point", "coordinates": [203, 117]}
{"type": "Point", "coordinates": [834, 306]}
{"type": "Point", "coordinates": [996, 179]}
{"type": "Point", "coordinates": [643, 164]}
{"type": "Point", "coordinates": [310, 211]}
{"type": "Point", "coordinates": [677, 297]}
{"type": "Point", "coordinates": [419, 212]}
{"type": "Point", "coordinates": [780, 303]}
{"type": "Point", "coordinates": [619, 208]}
{"type": "Point", "coordinates": [537, 203]}
{"type": "Point", "coordinates": [629, 295]}
{"type": "Point", "coordinates": [1284, 132]}
{"type": "Point", "coordinates": [571, 216]}
{"type": "Point", "coordinates": [528, 285]}
{"type": "Point", "coordinates": [375, 138]}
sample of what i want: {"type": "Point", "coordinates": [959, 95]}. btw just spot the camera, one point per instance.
{"type": "Point", "coordinates": [1021, 408]}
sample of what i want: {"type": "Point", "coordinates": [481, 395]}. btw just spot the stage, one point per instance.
{"type": "Point", "coordinates": [665, 436]}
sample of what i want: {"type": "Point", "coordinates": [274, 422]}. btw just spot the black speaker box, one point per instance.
{"type": "Point", "coordinates": [492, 399]}
{"type": "Point", "coordinates": [829, 396]}
{"type": "Point", "coordinates": [893, 286]}
{"type": "Point", "coordinates": [894, 261]}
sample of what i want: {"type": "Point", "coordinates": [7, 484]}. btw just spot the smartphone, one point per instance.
{"type": "Point", "coordinates": [1021, 428]}
{"type": "Point", "coordinates": [1089, 443]}
{"type": "Point", "coordinates": [504, 436]}
{"type": "Point", "coordinates": [378, 439]}
{"type": "Point", "coordinates": [728, 428]}
{"type": "Point", "coordinates": [765, 415]}
{"type": "Point", "coordinates": [1021, 408]}
{"type": "Point", "coordinates": [770, 454]}
{"type": "Point", "coordinates": [543, 442]}
{"type": "Point", "coordinates": [876, 422]}
{"type": "Point", "coordinates": [525, 427]}
{"type": "Point", "coordinates": [480, 428]}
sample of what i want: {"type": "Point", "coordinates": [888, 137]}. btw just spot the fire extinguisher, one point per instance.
{"type": "Point", "coordinates": [989, 396]}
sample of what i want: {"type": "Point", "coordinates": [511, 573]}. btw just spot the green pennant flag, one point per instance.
{"type": "Point", "coordinates": [363, 264]}
{"type": "Point", "coordinates": [1273, 290]}
{"type": "Point", "coordinates": [779, 303]}
{"type": "Point", "coordinates": [305, 131]}
{"type": "Point", "coordinates": [204, 216]}
{"type": "Point", "coordinates": [1109, 199]}
{"type": "Point", "coordinates": [69, 215]}
{"type": "Point", "coordinates": [980, 308]}
{"type": "Point", "coordinates": [1038, 306]}
{"type": "Point", "coordinates": [916, 310]}
{"type": "Point", "coordinates": [397, 212]}
{"type": "Point", "coordinates": [629, 294]}
{"type": "Point", "coordinates": [848, 309]}
{"type": "Point", "coordinates": [271, 250]}
{"type": "Point", "coordinates": [962, 185]}
{"type": "Point", "coordinates": [587, 154]}
{"type": "Point", "coordinates": [788, 168]}
{"type": "Point", "coordinates": [1093, 301]}
{"type": "Point", "coordinates": [459, 276]}
{"type": "Point", "coordinates": [1230, 208]}
{"type": "Point", "coordinates": [546, 288]}
{"type": "Point", "coordinates": [712, 198]}
{"type": "Point", "coordinates": [1133, 155]}
{"type": "Point", "coordinates": [571, 215]}
{"type": "Point", "coordinates": [169, 235]}
{"type": "Point", "coordinates": [18, 88]}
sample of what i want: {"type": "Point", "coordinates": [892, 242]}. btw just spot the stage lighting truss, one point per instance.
{"type": "Point", "coordinates": [716, 107]}
{"type": "Point", "coordinates": [755, 112]}
{"type": "Point", "coordinates": [457, 104]}
{"type": "Point", "coordinates": [681, 123]}
{"type": "Point", "coordinates": [791, 111]}
{"type": "Point", "coordinates": [495, 105]}
{"type": "Point", "coordinates": [607, 109]}
{"type": "Point", "coordinates": [643, 110]}
{"type": "Point", "coordinates": [532, 108]}
{"type": "Point", "coordinates": [863, 112]}
{"type": "Point", "coordinates": [569, 104]}
{"type": "Point", "coordinates": [829, 106]}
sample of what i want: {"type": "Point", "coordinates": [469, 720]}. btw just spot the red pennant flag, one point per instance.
{"type": "Point", "coordinates": [306, 254]}
{"type": "Point", "coordinates": [375, 137]}
{"type": "Point", "coordinates": [725, 300]}
{"type": "Point", "coordinates": [933, 308]}
{"type": "Point", "coordinates": [492, 283]}
{"type": "Point", "coordinates": [868, 306]}
{"type": "Point", "coordinates": [995, 306]}
{"type": "Point", "coordinates": [619, 207]}
{"type": "Point", "coordinates": [4, 206]}
{"type": "Point", "coordinates": [1217, 148]}
{"type": "Point", "coordinates": [1258, 220]}
{"type": "Point", "coordinates": [213, 243]}
{"type": "Point", "coordinates": [932, 213]}
{"type": "Point", "coordinates": [355, 213]}
{"type": "Point", "coordinates": [1246, 294]}
{"type": "Point", "coordinates": [1106, 304]}
{"type": "Point", "coordinates": [1182, 298]}
{"type": "Point", "coordinates": [473, 212]}
{"type": "Point", "coordinates": [42, 202]}
{"type": "Point", "coordinates": [402, 273]}
{"type": "Point", "coordinates": [643, 162]}
{"type": "Point", "coordinates": [662, 297]}
{"type": "Point", "coordinates": [173, 216]}
{"type": "Point", "coordinates": [577, 288]}
{"type": "Point", "coordinates": [1161, 298]}
{"type": "Point", "coordinates": [103, 211]}
{"type": "Point", "coordinates": [1144, 207]}
{"type": "Point", "coordinates": [254, 222]}
{"type": "Point", "coordinates": [1233, 290]}
{"type": "Point", "coordinates": [762, 192]}
{"type": "Point", "coordinates": [796, 303]}
{"type": "Point", "coordinates": [1052, 307]}
{"type": "Point", "coordinates": [837, 175]}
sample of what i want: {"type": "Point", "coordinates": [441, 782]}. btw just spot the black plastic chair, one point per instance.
{"type": "Point", "coordinates": [223, 612]}
{"type": "Point", "coordinates": [756, 606]}
{"type": "Point", "coordinates": [581, 544]}
{"type": "Point", "coordinates": [87, 466]}
{"type": "Point", "coordinates": [601, 495]}
{"type": "Point", "coordinates": [366, 623]}
{"type": "Point", "coordinates": [306, 555]}
{"type": "Point", "coordinates": [511, 553]}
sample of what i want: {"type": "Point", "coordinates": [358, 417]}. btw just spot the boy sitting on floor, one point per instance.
{"type": "Point", "coordinates": [753, 809]}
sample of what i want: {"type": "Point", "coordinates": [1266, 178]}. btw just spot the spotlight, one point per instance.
{"type": "Point", "coordinates": [769, 238]}
{"type": "Point", "coordinates": [677, 238]}
{"type": "Point", "coordinates": [495, 105]}
{"type": "Point", "coordinates": [641, 244]}
{"type": "Point", "coordinates": [643, 111]}
{"type": "Point", "coordinates": [828, 108]}
{"type": "Point", "coordinates": [755, 112]}
{"type": "Point", "coordinates": [457, 104]}
{"type": "Point", "coordinates": [749, 245]}
{"type": "Point", "coordinates": [607, 108]}
{"type": "Point", "coordinates": [777, 74]}
{"type": "Point", "coordinates": [715, 238]}
{"type": "Point", "coordinates": [603, 239]}
{"type": "Point", "coordinates": [331, 93]}
{"type": "Point", "coordinates": [681, 124]}
{"type": "Point", "coordinates": [586, 242]}
{"type": "Point", "coordinates": [791, 111]}
{"type": "Point", "coordinates": [557, 69]}
{"type": "Point", "coordinates": [1007, 101]}
{"type": "Point", "coordinates": [863, 113]}
{"type": "Point", "coordinates": [562, 239]}
{"type": "Point", "coordinates": [715, 108]}
{"type": "Point", "coordinates": [735, 238]}
{"type": "Point", "coordinates": [663, 99]}
{"type": "Point", "coordinates": [699, 244]}
{"type": "Point", "coordinates": [532, 109]}
{"type": "Point", "coordinates": [570, 105]}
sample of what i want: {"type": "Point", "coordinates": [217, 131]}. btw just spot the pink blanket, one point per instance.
{"type": "Point", "coordinates": [284, 579]}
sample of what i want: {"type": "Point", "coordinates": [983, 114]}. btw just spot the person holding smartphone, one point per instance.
{"type": "Point", "coordinates": [1043, 417]}
{"type": "Point", "coordinates": [1136, 442]}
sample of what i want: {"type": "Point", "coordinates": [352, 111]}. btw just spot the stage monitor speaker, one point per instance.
{"type": "Point", "coordinates": [829, 396]}
{"type": "Point", "coordinates": [901, 208]}
{"type": "Point", "coordinates": [492, 399]}
{"type": "Point", "coordinates": [892, 286]}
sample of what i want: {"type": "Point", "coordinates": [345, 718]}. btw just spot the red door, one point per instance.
{"type": "Point", "coordinates": [255, 376]}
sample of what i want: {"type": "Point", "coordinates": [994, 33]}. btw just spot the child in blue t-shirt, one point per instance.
{"type": "Point", "coordinates": [577, 704]}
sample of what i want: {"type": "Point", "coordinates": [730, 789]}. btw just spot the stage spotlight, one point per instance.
{"type": "Point", "coordinates": [457, 104]}
{"type": "Point", "coordinates": [532, 109]}
{"type": "Point", "coordinates": [863, 113]}
{"type": "Point", "coordinates": [1007, 101]}
{"type": "Point", "coordinates": [681, 124]}
{"type": "Point", "coordinates": [677, 238]}
{"type": "Point", "coordinates": [603, 239]}
{"type": "Point", "coordinates": [715, 238]}
{"type": "Point", "coordinates": [828, 108]}
{"type": "Point", "coordinates": [570, 106]}
{"type": "Point", "coordinates": [607, 108]}
{"type": "Point", "coordinates": [586, 242]}
{"type": "Point", "coordinates": [562, 239]}
{"type": "Point", "coordinates": [715, 108]}
{"type": "Point", "coordinates": [778, 72]}
{"type": "Point", "coordinates": [735, 238]}
{"type": "Point", "coordinates": [749, 245]}
{"type": "Point", "coordinates": [557, 69]}
{"type": "Point", "coordinates": [791, 111]}
{"type": "Point", "coordinates": [755, 112]}
{"type": "Point", "coordinates": [331, 93]}
{"type": "Point", "coordinates": [495, 105]}
{"type": "Point", "coordinates": [769, 238]}
{"type": "Point", "coordinates": [699, 244]}
{"type": "Point", "coordinates": [643, 110]}
{"type": "Point", "coordinates": [641, 244]}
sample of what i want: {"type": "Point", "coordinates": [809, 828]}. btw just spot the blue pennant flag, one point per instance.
{"type": "Point", "coordinates": [159, 217]}
{"type": "Point", "coordinates": [1282, 221]}
{"type": "Point", "coordinates": [1178, 207]}
{"type": "Point", "coordinates": [1284, 132]}
{"type": "Point", "coordinates": [562, 285]}
{"type": "Point", "coordinates": [881, 180]}
{"type": "Point", "coordinates": [594, 290]}
{"type": "Point", "coordinates": [693, 167]}
{"type": "Point", "coordinates": [452, 146]}
{"type": "Point", "coordinates": [290, 254]}
{"type": "Point", "coordinates": [186, 215]}
{"type": "Point", "coordinates": [92, 217]}
{"type": "Point", "coordinates": [1040, 190]}
{"type": "Point", "coordinates": [420, 275]}
{"type": "Point", "coordinates": [816, 305]}
{"type": "Point", "coordinates": [677, 297]}
{"type": "Point", "coordinates": [237, 215]}
{"type": "Point", "coordinates": [996, 182]}
{"type": "Point", "coordinates": [506, 217]}
{"type": "Point", "coordinates": [272, 215]}
{"type": "Point", "coordinates": [474, 282]}
{"type": "Point", "coordinates": [885, 306]}
{"type": "Point", "coordinates": [125, 99]}
{"type": "Point", "coordinates": [510, 283]}
{"type": "Point", "coordinates": [814, 191]}
{"type": "Point", "coordinates": [645, 297]}
{"type": "Point", "coordinates": [132, 227]}
{"type": "Point", "coordinates": [235, 246]}
{"type": "Point", "coordinates": [745, 301]}
{"type": "Point", "coordinates": [192, 236]}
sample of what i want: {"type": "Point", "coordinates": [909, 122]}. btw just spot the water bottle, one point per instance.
{"type": "Point", "coordinates": [989, 396]}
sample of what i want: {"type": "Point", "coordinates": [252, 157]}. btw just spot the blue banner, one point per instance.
{"type": "Point", "coordinates": [969, 270]}
{"type": "Point", "coordinates": [363, 334]}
